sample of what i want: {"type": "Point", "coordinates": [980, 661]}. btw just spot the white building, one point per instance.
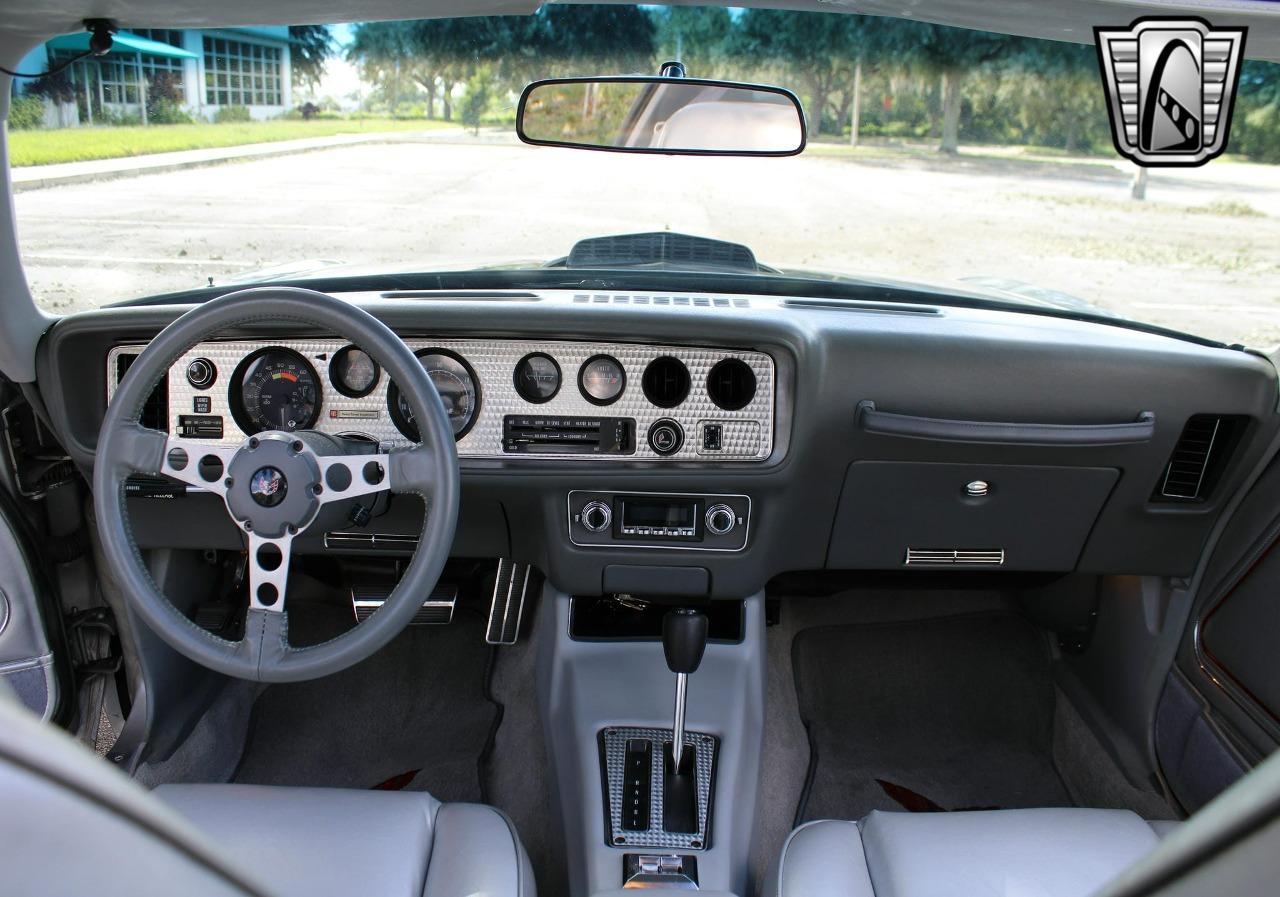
{"type": "Point", "coordinates": [207, 69]}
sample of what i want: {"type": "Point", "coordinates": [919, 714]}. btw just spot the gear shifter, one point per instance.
{"type": "Point", "coordinates": [684, 638]}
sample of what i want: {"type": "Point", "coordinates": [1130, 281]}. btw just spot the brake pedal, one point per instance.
{"type": "Point", "coordinates": [514, 583]}
{"type": "Point", "coordinates": [437, 610]}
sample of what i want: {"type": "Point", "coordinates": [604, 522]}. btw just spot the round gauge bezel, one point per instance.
{"type": "Point", "coordinates": [515, 378]}
{"type": "Point", "coordinates": [337, 382]}
{"type": "Point", "coordinates": [393, 396]}
{"type": "Point", "coordinates": [235, 389]}
{"type": "Point", "coordinates": [582, 386]}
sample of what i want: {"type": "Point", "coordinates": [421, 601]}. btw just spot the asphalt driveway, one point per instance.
{"type": "Point", "coordinates": [1201, 255]}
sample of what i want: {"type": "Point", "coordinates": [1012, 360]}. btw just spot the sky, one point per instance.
{"type": "Point", "coordinates": [341, 78]}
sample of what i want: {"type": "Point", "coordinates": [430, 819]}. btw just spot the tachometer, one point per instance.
{"type": "Point", "coordinates": [274, 389]}
{"type": "Point", "coordinates": [456, 383]}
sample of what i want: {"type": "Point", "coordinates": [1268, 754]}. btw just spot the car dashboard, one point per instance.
{"type": "Point", "coordinates": [704, 444]}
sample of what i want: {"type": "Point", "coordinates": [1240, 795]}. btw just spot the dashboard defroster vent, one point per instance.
{"type": "Point", "coordinates": [1199, 457]}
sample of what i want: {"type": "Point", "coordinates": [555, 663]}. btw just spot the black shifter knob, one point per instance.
{"type": "Point", "coordinates": [684, 638]}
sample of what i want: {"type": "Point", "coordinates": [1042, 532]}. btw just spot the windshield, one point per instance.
{"type": "Point", "coordinates": [969, 161]}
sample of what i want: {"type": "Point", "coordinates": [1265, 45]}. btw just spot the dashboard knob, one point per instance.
{"type": "Point", "coordinates": [666, 436]}
{"type": "Point", "coordinates": [596, 516]}
{"type": "Point", "coordinates": [201, 373]}
{"type": "Point", "coordinates": [721, 520]}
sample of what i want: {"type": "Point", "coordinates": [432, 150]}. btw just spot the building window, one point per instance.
{"type": "Point", "coordinates": [241, 74]}
{"type": "Point", "coordinates": [119, 82]}
{"type": "Point", "coordinates": [162, 72]}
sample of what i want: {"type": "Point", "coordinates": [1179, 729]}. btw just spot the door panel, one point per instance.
{"type": "Point", "coordinates": [26, 661]}
{"type": "Point", "coordinates": [1219, 714]}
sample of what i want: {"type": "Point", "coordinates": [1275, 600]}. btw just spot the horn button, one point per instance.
{"type": "Point", "coordinates": [273, 484]}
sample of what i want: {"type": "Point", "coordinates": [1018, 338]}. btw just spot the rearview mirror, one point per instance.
{"type": "Point", "coordinates": [677, 116]}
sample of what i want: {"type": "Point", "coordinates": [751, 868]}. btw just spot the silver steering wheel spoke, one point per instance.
{"type": "Point", "coordinates": [351, 476]}
{"type": "Point", "coordinates": [268, 571]}
{"type": "Point", "coordinates": [197, 463]}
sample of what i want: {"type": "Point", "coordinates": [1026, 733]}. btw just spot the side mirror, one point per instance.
{"type": "Point", "coordinates": [656, 114]}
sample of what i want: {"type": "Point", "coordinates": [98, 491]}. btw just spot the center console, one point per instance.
{"type": "Point", "coordinates": [636, 812]}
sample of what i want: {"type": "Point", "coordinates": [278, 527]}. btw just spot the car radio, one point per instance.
{"type": "Point", "coordinates": [696, 522]}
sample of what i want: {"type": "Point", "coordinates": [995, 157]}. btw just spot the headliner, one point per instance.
{"type": "Point", "coordinates": [26, 23]}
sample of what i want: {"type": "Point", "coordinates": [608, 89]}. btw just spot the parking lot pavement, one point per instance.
{"type": "Point", "coordinates": [1201, 255]}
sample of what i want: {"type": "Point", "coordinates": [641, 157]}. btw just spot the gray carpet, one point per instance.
{"type": "Point", "coordinates": [942, 714]}
{"type": "Point", "coordinates": [414, 716]}
{"type": "Point", "coordinates": [519, 770]}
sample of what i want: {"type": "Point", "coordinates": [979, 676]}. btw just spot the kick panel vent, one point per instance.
{"type": "Point", "coordinates": [1199, 457]}
{"type": "Point", "coordinates": [666, 381]}
{"type": "Point", "coordinates": [155, 411]}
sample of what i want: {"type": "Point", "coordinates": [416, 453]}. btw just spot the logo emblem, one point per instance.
{"type": "Point", "coordinates": [1170, 86]}
{"type": "Point", "coordinates": [268, 487]}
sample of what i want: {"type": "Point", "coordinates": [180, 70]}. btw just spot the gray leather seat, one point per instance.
{"type": "Point", "coordinates": [1037, 853]}
{"type": "Point", "coordinates": [315, 842]}
{"type": "Point", "coordinates": [72, 825]}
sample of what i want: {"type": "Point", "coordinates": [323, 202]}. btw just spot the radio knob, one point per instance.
{"type": "Point", "coordinates": [597, 516]}
{"type": "Point", "coordinates": [721, 520]}
{"type": "Point", "coordinates": [201, 373]}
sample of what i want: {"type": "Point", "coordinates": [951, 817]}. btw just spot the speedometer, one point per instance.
{"type": "Point", "coordinates": [274, 389]}
{"type": "Point", "coordinates": [455, 382]}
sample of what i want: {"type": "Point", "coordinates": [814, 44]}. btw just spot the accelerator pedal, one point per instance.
{"type": "Point", "coordinates": [514, 583]}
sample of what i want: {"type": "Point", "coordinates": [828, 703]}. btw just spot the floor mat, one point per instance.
{"type": "Point", "coordinates": [413, 716]}
{"type": "Point", "coordinates": [942, 714]}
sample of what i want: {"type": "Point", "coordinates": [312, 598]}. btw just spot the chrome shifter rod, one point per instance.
{"type": "Point", "coordinates": [684, 638]}
{"type": "Point", "coordinates": [677, 728]}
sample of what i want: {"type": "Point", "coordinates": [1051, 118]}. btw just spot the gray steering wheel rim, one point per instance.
{"type": "Point", "coordinates": [429, 468]}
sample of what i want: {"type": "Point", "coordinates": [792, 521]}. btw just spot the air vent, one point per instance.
{"type": "Point", "coordinates": [155, 411]}
{"type": "Point", "coordinates": [695, 301]}
{"type": "Point", "coordinates": [666, 382]}
{"type": "Point", "coordinates": [951, 557]}
{"type": "Point", "coordinates": [731, 384]}
{"type": "Point", "coordinates": [1199, 457]}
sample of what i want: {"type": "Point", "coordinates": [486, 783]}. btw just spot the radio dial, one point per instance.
{"type": "Point", "coordinates": [721, 520]}
{"type": "Point", "coordinates": [597, 516]}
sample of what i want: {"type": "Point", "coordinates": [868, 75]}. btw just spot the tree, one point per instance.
{"type": "Point", "coordinates": [476, 98]}
{"type": "Point", "coordinates": [818, 49]}
{"type": "Point", "coordinates": [945, 53]}
{"type": "Point", "coordinates": [312, 45]}
{"type": "Point", "coordinates": [698, 36]}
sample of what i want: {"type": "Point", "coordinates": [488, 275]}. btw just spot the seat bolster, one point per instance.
{"type": "Point", "coordinates": [317, 842]}
{"type": "Point", "coordinates": [476, 851]}
{"type": "Point", "coordinates": [821, 859]}
{"type": "Point", "coordinates": [1067, 852]}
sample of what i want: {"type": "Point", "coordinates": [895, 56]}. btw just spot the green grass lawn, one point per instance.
{"type": "Point", "coordinates": [82, 144]}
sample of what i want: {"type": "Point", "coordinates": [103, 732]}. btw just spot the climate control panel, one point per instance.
{"type": "Point", "coordinates": [690, 521]}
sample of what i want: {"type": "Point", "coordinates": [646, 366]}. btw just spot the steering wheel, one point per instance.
{"type": "Point", "coordinates": [273, 485]}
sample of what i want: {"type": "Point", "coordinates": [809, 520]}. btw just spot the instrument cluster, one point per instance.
{"type": "Point", "coordinates": [503, 397]}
